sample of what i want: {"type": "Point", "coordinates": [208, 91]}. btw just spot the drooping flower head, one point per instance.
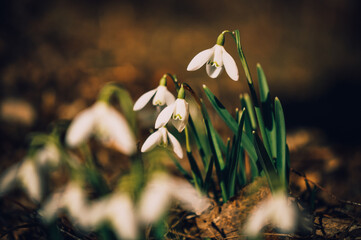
{"type": "Point", "coordinates": [215, 58]}
{"type": "Point", "coordinates": [105, 123]}
{"type": "Point", "coordinates": [178, 111]}
{"type": "Point", "coordinates": [159, 193]}
{"type": "Point", "coordinates": [161, 96]}
{"type": "Point", "coordinates": [160, 138]}
{"type": "Point", "coordinates": [277, 211]}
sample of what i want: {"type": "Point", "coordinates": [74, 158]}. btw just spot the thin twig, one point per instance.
{"type": "Point", "coordinates": [182, 234]}
{"type": "Point", "coordinates": [69, 234]}
{"type": "Point", "coordinates": [325, 190]}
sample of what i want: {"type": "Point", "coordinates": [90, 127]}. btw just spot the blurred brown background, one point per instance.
{"type": "Point", "coordinates": [56, 55]}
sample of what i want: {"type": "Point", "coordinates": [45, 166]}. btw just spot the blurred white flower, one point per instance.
{"type": "Point", "coordinates": [71, 199]}
{"type": "Point", "coordinates": [116, 209]}
{"type": "Point", "coordinates": [161, 96]}
{"type": "Point", "coordinates": [179, 112]}
{"type": "Point", "coordinates": [27, 175]}
{"type": "Point", "coordinates": [215, 59]}
{"type": "Point", "coordinates": [155, 199]}
{"type": "Point", "coordinates": [121, 214]}
{"type": "Point", "coordinates": [277, 211]}
{"type": "Point", "coordinates": [189, 198]}
{"type": "Point", "coordinates": [160, 137]}
{"type": "Point", "coordinates": [49, 155]}
{"type": "Point", "coordinates": [161, 191]}
{"type": "Point", "coordinates": [108, 125]}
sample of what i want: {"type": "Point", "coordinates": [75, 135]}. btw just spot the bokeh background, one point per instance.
{"type": "Point", "coordinates": [56, 55]}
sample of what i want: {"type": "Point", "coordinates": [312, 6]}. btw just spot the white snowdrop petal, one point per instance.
{"type": "Point", "coordinates": [218, 55]}
{"type": "Point", "coordinates": [117, 132]}
{"type": "Point", "coordinates": [143, 100]}
{"type": "Point", "coordinates": [180, 115]}
{"type": "Point", "coordinates": [169, 98]}
{"type": "Point", "coordinates": [80, 128]}
{"type": "Point", "coordinates": [230, 66]}
{"type": "Point", "coordinates": [213, 71]}
{"type": "Point", "coordinates": [164, 116]}
{"type": "Point", "coordinates": [176, 145]}
{"type": "Point", "coordinates": [155, 199]}
{"type": "Point", "coordinates": [200, 59]}
{"type": "Point", "coordinates": [95, 214]}
{"type": "Point", "coordinates": [159, 97]}
{"type": "Point", "coordinates": [74, 200]}
{"type": "Point", "coordinates": [49, 155]}
{"type": "Point", "coordinates": [189, 197]}
{"type": "Point", "coordinates": [9, 178]}
{"type": "Point", "coordinates": [152, 141]}
{"type": "Point", "coordinates": [29, 177]}
{"type": "Point", "coordinates": [276, 211]}
{"type": "Point", "coordinates": [121, 214]}
{"type": "Point", "coordinates": [51, 207]}
{"type": "Point", "coordinates": [256, 222]}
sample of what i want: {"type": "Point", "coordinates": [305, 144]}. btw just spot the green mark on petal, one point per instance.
{"type": "Point", "coordinates": [178, 116]}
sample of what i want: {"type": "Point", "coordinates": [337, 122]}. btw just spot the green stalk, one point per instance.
{"type": "Point", "coordinates": [196, 173]}
{"type": "Point", "coordinates": [216, 151]}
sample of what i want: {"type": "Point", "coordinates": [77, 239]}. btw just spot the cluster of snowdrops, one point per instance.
{"type": "Point", "coordinates": [142, 196]}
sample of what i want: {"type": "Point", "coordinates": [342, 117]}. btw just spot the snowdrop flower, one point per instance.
{"type": "Point", "coordinates": [119, 211]}
{"type": "Point", "coordinates": [161, 191]}
{"type": "Point", "coordinates": [161, 96]}
{"type": "Point", "coordinates": [155, 199]}
{"type": "Point", "coordinates": [108, 125]}
{"type": "Point", "coordinates": [160, 137]}
{"type": "Point", "coordinates": [72, 199]}
{"type": "Point", "coordinates": [215, 59]}
{"type": "Point", "coordinates": [276, 211]}
{"type": "Point", "coordinates": [178, 111]}
{"type": "Point", "coordinates": [189, 198]}
{"type": "Point", "coordinates": [116, 209]}
{"type": "Point", "coordinates": [27, 175]}
{"type": "Point", "coordinates": [49, 155]}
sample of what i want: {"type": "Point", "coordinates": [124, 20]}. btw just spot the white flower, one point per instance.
{"type": "Point", "coordinates": [215, 58]}
{"type": "Point", "coordinates": [277, 211]}
{"type": "Point", "coordinates": [108, 125]}
{"type": "Point", "coordinates": [27, 175]}
{"type": "Point", "coordinates": [190, 199]}
{"type": "Point", "coordinates": [161, 191]}
{"type": "Point", "coordinates": [116, 209]}
{"type": "Point", "coordinates": [155, 199]}
{"type": "Point", "coordinates": [49, 155]}
{"type": "Point", "coordinates": [160, 137]}
{"type": "Point", "coordinates": [120, 212]}
{"type": "Point", "coordinates": [179, 111]}
{"type": "Point", "coordinates": [72, 199]}
{"type": "Point", "coordinates": [161, 96]}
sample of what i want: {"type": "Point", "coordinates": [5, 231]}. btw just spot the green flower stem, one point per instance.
{"type": "Point", "coordinates": [125, 102]}
{"type": "Point", "coordinates": [181, 93]}
{"type": "Point", "coordinates": [88, 156]}
{"type": "Point", "coordinates": [216, 151]}
{"type": "Point", "coordinates": [236, 37]}
{"type": "Point", "coordinates": [163, 80]}
{"type": "Point", "coordinates": [220, 39]}
{"type": "Point", "coordinates": [196, 173]}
